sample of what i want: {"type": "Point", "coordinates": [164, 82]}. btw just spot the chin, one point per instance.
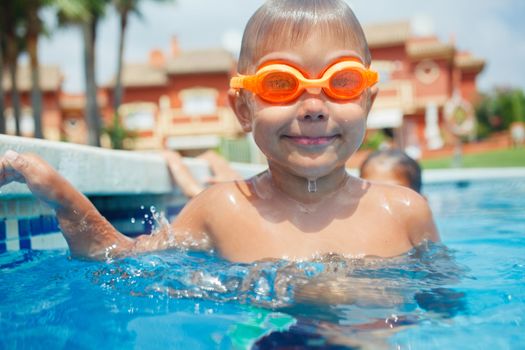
{"type": "Point", "coordinates": [313, 171]}
{"type": "Point", "coordinates": [309, 166]}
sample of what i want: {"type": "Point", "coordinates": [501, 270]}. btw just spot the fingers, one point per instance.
{"type": "Point", "coordinates": [12, 167]}
{"type": "Point", "coordinates": [17, 161]}
{"type": "Point", "coordinates": [4, 166]}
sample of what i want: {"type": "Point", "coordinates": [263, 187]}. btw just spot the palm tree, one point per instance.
{"type": "Point", "coordinates": [22, 26]}
{"type": "Point", "coordinates": [116, 131]}
{"type": "Point", "coordinates": [11, 16]}
{"type": "Point", "coordinates": [34, 28]}
{"type": "Point", "coordinates": [124, 9]}
{"type": "Point", "coordinates": [86, 14]}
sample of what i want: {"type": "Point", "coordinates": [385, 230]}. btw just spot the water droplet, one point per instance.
{"type": "Point", "coordinates": [312, 186]}
{"type": "Point", "coordinates": [132, 220]}
{"type": "Point", "coordinates": [141, 207]}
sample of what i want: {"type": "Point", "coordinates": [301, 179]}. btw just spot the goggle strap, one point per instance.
{"type": "Point", "coordinates": [372, 77]}
{"type": "Point", "coordinates": [243, 82]}
{"type": "Point", "coordinates": [237, 82]}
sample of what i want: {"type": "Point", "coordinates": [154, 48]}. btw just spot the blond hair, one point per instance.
{"type": "Point", "coordinates": [291, 21]}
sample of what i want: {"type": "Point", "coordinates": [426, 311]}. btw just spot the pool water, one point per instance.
{"type": "Point", "coordinates": [467, 293]}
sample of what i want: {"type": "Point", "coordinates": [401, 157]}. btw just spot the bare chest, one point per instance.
{"type": "Point", "coordinates": [301, 235]}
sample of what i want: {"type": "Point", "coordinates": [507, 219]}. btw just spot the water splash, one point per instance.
{"type": "Point", "coordinates": [329, 279]}
{"type": "Point", "coordinates": [162, 224]}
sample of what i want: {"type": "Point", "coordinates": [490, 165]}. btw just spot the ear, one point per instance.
{"type": "Point", "coordinates": [373, 94]}
{"type": "Point", "coordinates": [240, 108]}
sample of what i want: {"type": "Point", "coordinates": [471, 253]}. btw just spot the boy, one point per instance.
{"type": "Point", "coordinates": [305, 204]}
{"type": "Point", "coordinates": [392, 166]}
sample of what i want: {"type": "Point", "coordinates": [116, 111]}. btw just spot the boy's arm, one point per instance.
{"type": "Point", "coordinates": [86, 231]}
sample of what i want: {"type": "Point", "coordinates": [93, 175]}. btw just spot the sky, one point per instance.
{"type": "Point", "coordinates": [490, 29]}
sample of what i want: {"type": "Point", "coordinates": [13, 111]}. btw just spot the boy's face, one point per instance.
{"type": "Point", "coordinates": [314, 134]}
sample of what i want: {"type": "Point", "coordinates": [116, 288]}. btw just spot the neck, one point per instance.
{"type": "Point", "coordinates": [299, 189]}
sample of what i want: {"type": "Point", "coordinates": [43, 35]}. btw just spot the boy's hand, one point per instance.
{"type": "Point", "coordinates": [8, 172]}
{"type": "Point", "coordinates": [87, 233]}
{"type": "Point", "coordinates": [31, 170]}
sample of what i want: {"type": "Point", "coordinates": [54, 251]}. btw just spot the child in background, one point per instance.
{"type": "Point", "coordinates": [219, 167]}
{"type": "Point", "coordinates": [392, 166]}
{"type": "Point", "coordinates": [304, 89]}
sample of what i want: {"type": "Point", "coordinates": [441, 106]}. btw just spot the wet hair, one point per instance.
{"type": "Point", "coordinates": [290, 21]}
{"type": "Point", "coordinates": [397, 161]}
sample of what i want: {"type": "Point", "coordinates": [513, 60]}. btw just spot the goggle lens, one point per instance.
{"type": "Point", "coordinates": [346, 83]}
{"type": "Point", "coordinates": [278, 86]}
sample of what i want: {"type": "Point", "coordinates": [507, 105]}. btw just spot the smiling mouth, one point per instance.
{"type": "Point", "coordinates": [311, 140]}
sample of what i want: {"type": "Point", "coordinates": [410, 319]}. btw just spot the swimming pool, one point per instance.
{"type": "Point", "coordinates": [466, 294]}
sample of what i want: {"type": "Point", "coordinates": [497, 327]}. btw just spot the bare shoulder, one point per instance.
{"type": "Point", "coordinates": [225, 193]}
{"type": "Point", "coordinates": [218, 201]}
{"type": "Point", "coordinates": [410, 208]}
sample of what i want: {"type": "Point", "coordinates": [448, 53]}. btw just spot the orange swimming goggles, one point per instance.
{"type": "Point", "coordinates": [281, 83]}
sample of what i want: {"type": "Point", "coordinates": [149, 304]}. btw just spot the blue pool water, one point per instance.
{"type": "Point", "coordinates": [468, 293]}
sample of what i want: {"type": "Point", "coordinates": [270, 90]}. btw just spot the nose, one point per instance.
{"type": "Point", "coordinates": [313, 108]}
{"type": "Point", "coordinates": [314, 117]}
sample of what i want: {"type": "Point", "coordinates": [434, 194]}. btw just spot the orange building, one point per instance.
{"type": "Point", "coordinates": [51, 85]}
{"type": "Point", "coordinates": [62, 114]}
{"type": "Point", "coordinates": [177, 101]}
{"type": "Point", "coordinates": [419, 77]}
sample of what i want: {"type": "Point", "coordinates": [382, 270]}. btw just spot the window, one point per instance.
{"type": "Point", "coordinates": [72, 123]}
{"type": "Point", "coordinates": [27, 122]}
{"type": "Point", "coordinates": [139, 120]}
{"type": "Point", "coordinates": [384, 69]}
{"type": "Point", "coordinates": [427, 71]}
{"type": "Point", "coordinates": [10, 125]}
{"type": "Point", "coordinates": [199, 101]}
{"type": "Point", "coordinates": [138, 116]}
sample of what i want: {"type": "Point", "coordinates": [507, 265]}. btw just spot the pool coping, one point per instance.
{"type": "Point", "coordinates": [117, 172]}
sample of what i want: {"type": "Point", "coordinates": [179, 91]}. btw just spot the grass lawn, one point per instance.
{"type": "Point", "coordinates": [494, 159]}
